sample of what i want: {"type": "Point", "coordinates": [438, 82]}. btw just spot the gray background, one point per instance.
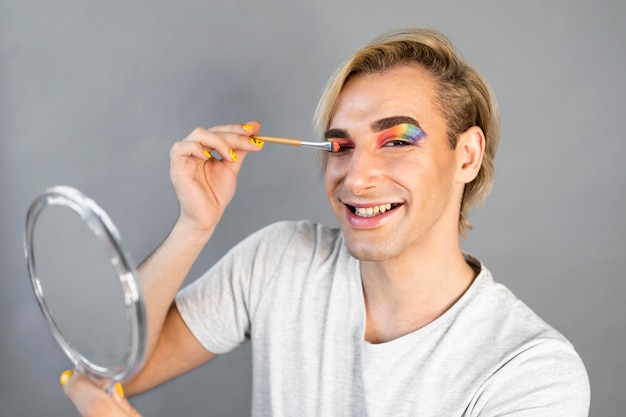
{"type": "Point", "coordinates": [93, 94]}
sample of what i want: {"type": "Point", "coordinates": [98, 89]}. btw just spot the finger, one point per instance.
{"type": "Point", "coordinates": [235, 140]}
{"type": "Point", "coordinates": [207, 140]}
{"type": "Point", "coordinates": [189, 149]}
{"type": "Point", "coordinates": [247, 129]}
{"type": "Point", "coordinates": [89, 399]}
{"type": "Point", "coordinates": [186, 149]}
{"type": "Point", "coordinates": [250, 128]}
{"type": "Point", "coordinates": [226, 144]}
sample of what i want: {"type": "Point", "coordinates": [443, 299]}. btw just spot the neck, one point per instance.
{"type": "Point", "coordinates": [413, 289]}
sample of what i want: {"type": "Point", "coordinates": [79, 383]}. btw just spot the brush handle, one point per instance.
{"type": "Point", "coordinates": [326, 146]}
{"type": "Point", "coordinates": [284, 141]}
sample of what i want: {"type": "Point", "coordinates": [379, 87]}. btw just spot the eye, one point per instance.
{"type": "Point", "coordinates": [394, 143]}
{"type": "Point", "coordinates": [344, 148]}
{"type": "Point", "coordinates": [344, 145]}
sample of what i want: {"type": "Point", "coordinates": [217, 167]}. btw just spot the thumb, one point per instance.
{"type": "Point", "coordinates": [122, 402]}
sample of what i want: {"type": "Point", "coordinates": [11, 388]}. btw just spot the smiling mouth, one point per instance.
{"type": "Point", "coordinates": [374, 210]}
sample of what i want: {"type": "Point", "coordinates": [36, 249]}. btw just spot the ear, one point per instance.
{"type": "Point", "coordinates": [470, 148]}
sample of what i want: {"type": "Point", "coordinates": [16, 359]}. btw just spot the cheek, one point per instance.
{"type": "Point", "coordinates": [330, 181]}
{"type": "Point", "coordinates": [408, 170]}
{"type": "Point", "coordinates": [335, 170]}
{"type": "Point", "coordinates": [423, 177]}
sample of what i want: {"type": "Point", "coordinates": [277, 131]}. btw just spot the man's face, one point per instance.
{"type": "Point", "coordinates": [393, 183]}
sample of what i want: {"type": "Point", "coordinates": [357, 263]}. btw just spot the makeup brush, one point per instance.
{"type": "Point", "coordinates": [327, 146]}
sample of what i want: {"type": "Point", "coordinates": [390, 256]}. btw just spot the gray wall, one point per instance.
{"type": "Point", "coordinates": [93, 94]}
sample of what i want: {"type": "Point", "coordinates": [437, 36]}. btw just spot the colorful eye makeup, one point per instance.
{"type": "Point", "coordinates": [405, 131]}
{"type": "Point", "coordinates": [391, 135]}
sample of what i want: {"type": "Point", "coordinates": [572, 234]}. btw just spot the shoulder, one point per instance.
{"type": "Point", "coordinates": [533, 367]}
{"type": "Point", "coordinates": [510, 320]}
{"type": "Point", "coordinates": [497, 322]}
{"type": "Point", "coordinates": [544, 378]}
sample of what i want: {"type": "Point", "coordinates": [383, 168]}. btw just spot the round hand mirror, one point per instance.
{"type": "Point", "coordinates": [86, 286]}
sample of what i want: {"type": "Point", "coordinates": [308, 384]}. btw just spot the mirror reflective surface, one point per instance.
{"type": "Point", "coordinates": [85, 284]}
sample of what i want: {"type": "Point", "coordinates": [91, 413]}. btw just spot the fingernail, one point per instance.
{"type": "Point", "coordinates": [247, 127]}
{"type": "Point", "coordinates": [120, 390]}
{"type": "Point", "coordinates": [207, 154]}
{"type": "Point", "coordinates": [65, 376]}
{"type": "Point", "coordinates": [257, 142]}
{"type": "Point", "coordinates": [233, 155]}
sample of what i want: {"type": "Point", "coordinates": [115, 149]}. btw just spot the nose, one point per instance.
{"type": "Point", "coordinates": [363, 171]}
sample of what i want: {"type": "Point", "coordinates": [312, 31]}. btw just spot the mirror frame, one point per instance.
{"type": "Point", "coordinates": [101, 225]}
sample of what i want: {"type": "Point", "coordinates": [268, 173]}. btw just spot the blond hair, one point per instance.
{"type": "Point", "coordinates": [465, 98]}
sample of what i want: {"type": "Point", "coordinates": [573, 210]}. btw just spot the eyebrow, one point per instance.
{"type": "Point", "coordinates": [377, 126]}
{"type": "Point", "coordinates": [389, 122]}
{"type": "Point", "coordinates": [336, 133]}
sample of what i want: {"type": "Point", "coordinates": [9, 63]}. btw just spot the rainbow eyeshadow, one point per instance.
{"type": "Point", "coordinates": [406, 131]}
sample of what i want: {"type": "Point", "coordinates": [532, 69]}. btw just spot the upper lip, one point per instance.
{"type": "Point", "coordinates": [366, 205]}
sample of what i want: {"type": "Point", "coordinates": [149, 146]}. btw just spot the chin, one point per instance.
{"type": "Point", "coordinates": [370, 253]}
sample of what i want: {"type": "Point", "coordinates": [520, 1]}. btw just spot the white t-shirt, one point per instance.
{"type": "Point", "coordinates": [295, 292]}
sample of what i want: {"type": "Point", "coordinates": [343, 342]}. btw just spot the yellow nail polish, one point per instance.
{"type": "Point", "coordinates": [207, 154]}
{"type": "Point", "coordinates": [247, 127]}
{"type": "Point", "coordinates": [257, 142]}
{"type": "Point", "coordinates": [65, 376]}
{"type": "Point", "coordinates": [233, 155]}
{"type": "Point", "coordinates": [119, 389]}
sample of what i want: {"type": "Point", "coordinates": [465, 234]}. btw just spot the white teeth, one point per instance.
{"type": "Point", "coordinates": [371, 211]}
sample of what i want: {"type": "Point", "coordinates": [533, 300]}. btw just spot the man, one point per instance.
{"type": "Point", "coordinates": [386, 316]}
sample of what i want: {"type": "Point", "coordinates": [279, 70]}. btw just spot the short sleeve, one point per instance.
{"type": "Point", "coordinates": [218, 307]}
